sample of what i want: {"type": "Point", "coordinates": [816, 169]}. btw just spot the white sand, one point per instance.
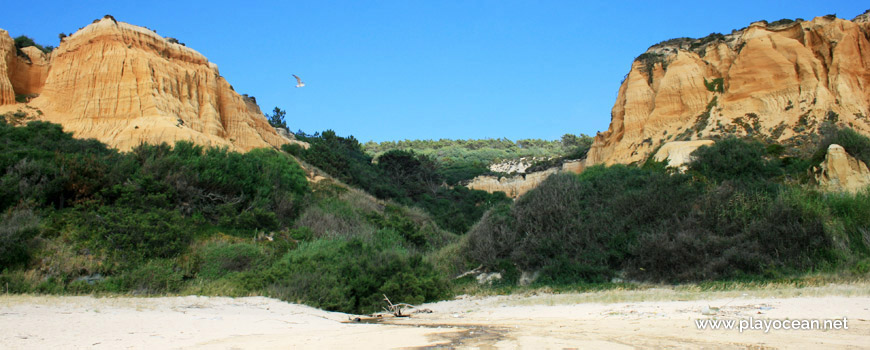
{"type": "Point", "coordinates": [644, 319]}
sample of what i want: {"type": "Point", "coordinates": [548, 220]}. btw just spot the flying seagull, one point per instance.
{"type": "Point", "coordinates": [299, 82]}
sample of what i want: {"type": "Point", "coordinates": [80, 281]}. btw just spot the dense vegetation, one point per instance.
{"type": "Point", "coordinates": [735, 214]}
{"type": "Point", "coordinates": [460, 160]}
{"type": "Point", "coordinates": [78, 217]}
{"type": "Point", "coordinates": [407, 177]}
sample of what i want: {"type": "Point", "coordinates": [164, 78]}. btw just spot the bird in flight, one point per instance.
{"type": "Point", "coordinates": [299, 82]}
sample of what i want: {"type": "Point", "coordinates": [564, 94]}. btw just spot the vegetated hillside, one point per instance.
{"type": "Point", "coordinates": [403, 176]}
{"type": "Point", "coordinates": [79, 217]}
{"type": "Point", "coordinates": [780, 80]}
{"type": "Point", "coordinates": [462, 160]}
{"type": "Point", "coordinates": [741, 211]}
{"type": "Point", "coordinates": [126, 85]}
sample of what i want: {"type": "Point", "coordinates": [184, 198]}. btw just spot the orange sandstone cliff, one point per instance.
{"type": "Point", "coordinates": [780, 80]}
{"type": "Point", "coordinates": [125, 85]}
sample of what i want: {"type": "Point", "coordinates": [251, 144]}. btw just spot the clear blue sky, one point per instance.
{"type": "Point", "coordinates": [409, 69]}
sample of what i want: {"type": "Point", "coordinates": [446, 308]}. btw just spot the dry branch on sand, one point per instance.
{"type": "Point", "coordinates": [397, 310]}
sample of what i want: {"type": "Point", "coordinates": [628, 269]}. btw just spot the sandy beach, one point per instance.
{"type": "Point", "coordinates": [652, 318]}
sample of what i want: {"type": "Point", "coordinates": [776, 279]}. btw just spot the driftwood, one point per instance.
{"type": "Point", "coordinates": [397, 309]}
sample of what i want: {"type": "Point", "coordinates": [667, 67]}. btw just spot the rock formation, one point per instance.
{"type": "Point", "coordinates": [514, 166]}
{"type": "Point", "coordinates": [7, 59]}
{"type": "Point", "coordinates": [517, 185]}
{"type": "Point", "coordinates": [679, 153]}
{"type": "Point", "coordinates": [842, 172]}
{"type": "Point", "coordinates": [781, 80]}
{"type": "Point", "coordinates": [512, 186]}
{"type": "Point", "coordinates": [125, 85]}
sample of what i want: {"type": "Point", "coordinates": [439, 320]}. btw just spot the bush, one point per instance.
{"type": "Point", "coordinates": [23, 41]}
{"type": "Point", "coordinates": [352, 276]}
{"type": "Point", "coordinates": [17, 228]}
{"type": "Point", "coordinates": [583, 223]}
{"type": "Point", "coordinates": [733, 233]}
{"type": "Point", "coordinates": [217, 259]}
{"type": "Point", "coordinates": [649, 224]}
{"type": "Point", "coordinates": [493, 238]}
{"type": "Point", "coordinates": [134, 235]}
{"type": "Point", "coordinates": [334, 218]}
{"type": "Point", "coordinates": [39, 181]}
{"type": "Point", "coordinates": [153, 277]}
{"type": "Point", "coordinates": [407, 177]}
{"type": "Point", "coordinates": [736, 160]}
{"type": "Point", "coordinates": [715, 85]}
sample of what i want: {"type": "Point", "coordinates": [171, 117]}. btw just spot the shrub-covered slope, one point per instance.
{"type": "Point", "coordinates": [79, 217]}
{"type": "Point", "coordinates": [739, 212]}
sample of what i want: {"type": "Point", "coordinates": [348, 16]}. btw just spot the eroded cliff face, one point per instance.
{"type": "Point", "coordinates": [781, 81]}
{"type": "Point", "coordinates": [7, 55]}
{"type": "Point", "coordinates": [125, 85]}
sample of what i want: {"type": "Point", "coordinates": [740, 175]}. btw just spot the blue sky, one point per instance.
{"type": "Point", "coordinates": [392, 70]}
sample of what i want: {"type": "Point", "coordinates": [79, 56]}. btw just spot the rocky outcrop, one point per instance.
{"type": "Point", "coordinates": [514, 166]}
{"type": "Point", "coordinates": [27, 73]}
{"type": "Point", "coordinates": [780, 80]}
{"type": "Point", "coordinates": [517, 185]}
{"type": "Point", "coordinates": [679, 153]}
{"type": "Point", "coordinates": [125, 85]}
{"type": "Point", "coordinates": [842, 172]}
{"type": "Point", "coordinates": [7, 57]}
{"type": "Point", "coordinates": [575, 166]}
{"type": "Point", "coordinates": [512, 186]}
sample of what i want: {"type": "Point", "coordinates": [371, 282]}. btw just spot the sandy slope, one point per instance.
{"type": "Point", "coordinates": [644, 319]}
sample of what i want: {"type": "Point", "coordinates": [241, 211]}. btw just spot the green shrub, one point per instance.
{"type": "Point", "coordinates": [406, 177]}
{"type": "Point", "coordinates": [715, 85]}
{"type": "Point", "coordinates": [132, 235]}
{"type": "Point", "coordinates": [15, 281]}
{"type": "Point", "coordinates": [23, 41]}
{"type": "Point", "coordinates": [352, 276]}
{"type": "Point", "coordinates": [17, 228]}
{"type": "Point", "coordinates": [648, 60]}
{"type": "Point", "coordinates": [333, 218]}
{"type": "Point", "coordinates": [493, 238]}
{"type": "Point", "coordinates": [733, 233]}
{"type": "Point", "coordinates": [736, 160]}
{"type": "Point", "coordinates": [583, 223]}
{"type": "Point", "coordinates": [204, 180]}
{"type": "Point", "coordinates": [650, 224]}
{"type": "Point", "coordinates": [217, 259]}
{"type": "Point", "coordinates": [256, 219]}
{"type": "Point", "coordinates": [39, 181]}
{"type": "Point", "coordinates": [153, 277]}
{"type": "Point", "coordinates": [456, 209]}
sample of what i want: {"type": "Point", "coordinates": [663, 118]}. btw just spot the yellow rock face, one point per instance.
{"type": "Point", "coordinates": [28, 75]}
{"type": "Point", "coordinates": [125, 85]}
{"type": "Point", "coordinates": [512, 186]}
{"type": "Point", "coordinates": [842, 172]}
{"type": "Point", "coordinates": [780, 81]}
{"type": "Point", "coordinates": [679, 153]}
{"type": "Point", "coordinates": [7, 57]}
